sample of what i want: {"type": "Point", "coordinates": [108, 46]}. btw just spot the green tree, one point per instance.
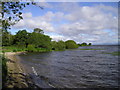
{"type": "Point", "coordinates": [90, 44]}
{"type": "Point", "coordinates": [7, 38]}
{"type": "Point", "coordinates": [40, 40]}
{"type": "Point", "coordinates": [54, 45]}
{"type": "Point", "coordinates": [12, 12]}
{"type": "Point", "coordinates": [71, 44]}
{"type": "Point", "coordinates": [21, 38]}
{"type": "Point", "coordinates": [79, 44]}
{"type": "Point", "coordinates": [38, 30]}
{"type": "Point", "coordinates": [60, 45]}
{"type": "Point", "coordinates": [84, 44]}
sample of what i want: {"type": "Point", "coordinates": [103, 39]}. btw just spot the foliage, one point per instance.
{"type": "Point", "coordinates": [37, 41]}
{"type": "Point", "coordinates": [85, 44]}
{"type": "Point", "coordinates": [21, 38]}
{"type": "Point", "coordinates": [89, 44]}
{"type": "Point", "coordinates": [13, 48]}
{"type": "Point", "coordinates": [12, 12]}
{"type": "Point", "coordinates": [71, 44]}
{"type": "Point", "coordinates": [31, 48]}
{"type": "Point", "coordinates": [60, 45]}
{"type": "Point", "coordinates": [54, 45]}
{"type": "Point", "coordinates": [38, 30]}
{"type": "Point", "coordinates": [40, 40]}
{"type": "Point", "coordinates": [7, 38]}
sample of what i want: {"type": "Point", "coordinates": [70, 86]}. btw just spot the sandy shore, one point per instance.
{"type": "Point", "coordinates": [16, 73]}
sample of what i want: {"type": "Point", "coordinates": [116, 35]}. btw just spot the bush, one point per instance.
{"type": "Point", "coordinates": [14, 50]}
{"type": "Point", "coordinates": [58, 46]}
{"type": "Point", "coordinates": [70, 44]}
{"type": "Point", "coordinates": [31, 48]}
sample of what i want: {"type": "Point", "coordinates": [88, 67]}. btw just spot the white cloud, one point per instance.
{"type": "Point", "coordinates": [27, 15]}
{"type": "Point", "coordinates": [44, 4]}
{"type": "Point", "coordinates": [79, 23]}
{"type": "Point", "coordinates": [31, 22]}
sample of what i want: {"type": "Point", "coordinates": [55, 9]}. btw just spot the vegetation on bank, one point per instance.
{"type": "Point", "coordinates": [35, 41]}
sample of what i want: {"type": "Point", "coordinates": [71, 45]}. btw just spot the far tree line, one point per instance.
{"type": "Point", "coordinates": [36, 41]}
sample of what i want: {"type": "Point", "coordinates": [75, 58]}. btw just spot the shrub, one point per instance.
{"type": "Point", "coordinates": [31, 48]}
{"type": "Point", "coordinates": [70, 44]}
{"type": "Point", "coordinates": [14, 50]}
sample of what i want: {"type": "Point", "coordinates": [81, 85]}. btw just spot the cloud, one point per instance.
{"type": "Point", "coordinates": [96, 24]}
{"type": "Point", "coordinates": [31, 22]}
{"type": "Point", "coordinates": [44, 4]}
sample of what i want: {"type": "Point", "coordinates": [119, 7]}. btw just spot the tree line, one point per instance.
{"type": "Point", "coordinates": [35, 41]}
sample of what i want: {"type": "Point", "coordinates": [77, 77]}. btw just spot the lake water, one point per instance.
{"type": "Point", "coordinates": [76, 68]}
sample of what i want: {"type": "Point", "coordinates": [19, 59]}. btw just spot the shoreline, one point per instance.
{"type": "Point", "coordinates": [17, 76]}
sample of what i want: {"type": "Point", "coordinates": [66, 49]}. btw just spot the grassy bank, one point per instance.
{"type": "Point", "coordinates": [22, 49]}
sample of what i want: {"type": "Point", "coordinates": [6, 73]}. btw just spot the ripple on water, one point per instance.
{"type": "Point", "coordinates": [77, 68]}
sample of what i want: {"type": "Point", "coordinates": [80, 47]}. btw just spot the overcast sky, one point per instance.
{"type": "Point", "coordinates": [89, 22]}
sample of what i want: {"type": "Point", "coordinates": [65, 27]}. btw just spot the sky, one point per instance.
{"type": "Point", "coordinates": [90, 22]}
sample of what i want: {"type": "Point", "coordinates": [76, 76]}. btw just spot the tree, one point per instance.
{"type": "Point", "coordinates": [38, 30]}
{"type": "Point", "coordinates": [40, 40]}
{"type": "Point", "coordinates": [89, 44]}
{"type": "Point", "coordinates": [71, 44]}
{"type": "Point", "coordinates": [12, 12]}
{"type": "Point", "coordinates": [21, 38]}
{"type": "Point", "coordinates": [60, 45]}
{"type": "Point", "coordinates": [79, 44]}
{"type": "Point", "coordinates": [54, 45]}
{"type": "Point", "coordinates": [7, 38]}
{"type": "Point", "coordinates": [84, 44]}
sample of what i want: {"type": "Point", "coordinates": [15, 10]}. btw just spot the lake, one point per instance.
{"type": "Point", "coordinates": [88, 66]}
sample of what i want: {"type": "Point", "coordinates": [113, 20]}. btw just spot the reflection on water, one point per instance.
{"type": "Point", "coordinates": [76, 68]}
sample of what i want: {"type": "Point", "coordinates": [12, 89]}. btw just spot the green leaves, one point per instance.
{"type": "Point", "coordinates": [14, 10]}
{"type": "Point", "coordinates": [38, 30]}
{"type": "Point", "coordinates": [9, 18]}
{"type": "Point", "coordinates": [27, 3]}
{"type": "Point", "coordinates": [20, 13]}
{"type": "Point", "coordinates": [20, 17]}
{"type": "Point", "coordinates": [71, 44]}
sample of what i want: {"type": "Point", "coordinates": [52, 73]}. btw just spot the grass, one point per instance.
{"type": "Point", "coordinates": [13, 49]}
{"type": "Point", "coordinates": [18, 49]}
{"type": "Point", "coordinates": [113, 53]}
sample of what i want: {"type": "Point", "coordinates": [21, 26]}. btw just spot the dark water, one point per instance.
{"type": "Point", "coordinates": [76, 68]}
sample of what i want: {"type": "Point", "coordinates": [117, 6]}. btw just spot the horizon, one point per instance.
{"type": "Point", "coordinates": [89, 22]}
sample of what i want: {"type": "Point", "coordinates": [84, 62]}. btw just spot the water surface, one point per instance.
{"type": "Point", "coordinates": [76, 68]}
